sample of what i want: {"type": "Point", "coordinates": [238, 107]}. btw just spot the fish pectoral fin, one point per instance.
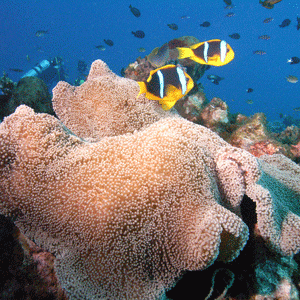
{"type": "Point", "coordinates": [184, 52]}
{"type": "Point", "coordinates": [143, 88]}
{"type": "Point", "coordinates": [173, 94]}
{"type": "Point", "coordinates": [214, 58]}
{"type": "Point", "coordinates": [166, 105]}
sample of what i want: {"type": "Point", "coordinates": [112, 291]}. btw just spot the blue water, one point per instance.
{"type": "Point", "coordinates": [76, 27]}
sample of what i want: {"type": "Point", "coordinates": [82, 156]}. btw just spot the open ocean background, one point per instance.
{"type": "Point", "coordinates": [76, 27]}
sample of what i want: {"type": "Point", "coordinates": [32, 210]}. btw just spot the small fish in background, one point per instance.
{"type": "Point", "coordinates": [229, 6]}
{"type": "Point", "coordinates": [167, 85]}
{"type": "Point", "coordinates": [259, 52]}
{"type": "Point", "coordinates": [141, 49]}
{"type": "Point", "coordinates": [285, 23]}
{"type": "Point", "coordinates": [268, 20]}
{"type": "Point", "coordinates": [173, 26]}
{"type": "Point", "coordinates": [292, 79]}
{"type": "Point", "coordinates": [298, 23]}
{"type": "Point", "coordinates": [214, 79]}
{"type": "Point", "coordinates": [234, 36]}
{"type": "Point", "coordinates": [16, 70]}
{"type": "Point", "coordinates": [296, 109]}
{"type": "Point", "coordinates": [27, 57]}
{"type": "Point", "coordinates": [184, 17]}
{"type": "Point", "coordinates": [109, 42]}
{"type": "Point", "coordinates": [250, 90]}
{"type": "Point", "coordinates": [100, 47]}
{"type": "Point", "coordinates": [135, 11]}
{"type": "Point", "coordinates": [41, 33]}
{"type": "Point", "coordinates": [39, 49]}
{"type": "Point", "coordinates": [229, 15]}
{"type": "Point", "coordinates": [205, 24]}
{"type": "Point", "coordinates": [227, 2]}
{"type": "Point", "coordinates": [249, 101]}
{"type": "Point", "coordinates": [293, 60]}
{"type": "Point", "coordinates": [213, 52]}
{"type": "Point", "coordinates": [269, 4]}
{"type": "Point", "coordinates": [123, 72]}
{"type": "Point", "coordinates": [139, 34]}
{"type": "Point", "coordinates": [264, 37]}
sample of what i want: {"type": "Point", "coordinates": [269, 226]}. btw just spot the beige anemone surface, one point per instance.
{"type": "Point", "coordinates": [104, 105]}
{"type": "Point", "coordinates": [127, 214]}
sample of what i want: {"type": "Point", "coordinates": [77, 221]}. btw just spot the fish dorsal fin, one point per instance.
{"type": "Point", "coordinates": [214, 40]}
{"type": "Point", "coordinates": [156, 70]}
{"type": "Point", "coordinates": [195, 46]}
{"type": "Point", "coordinates": [167, 67]}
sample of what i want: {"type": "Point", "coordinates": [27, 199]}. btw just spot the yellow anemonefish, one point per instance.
{"type": "Point", "coordinates": [214, 52]}
{"type": "Point", "coordinates": [167, 85]}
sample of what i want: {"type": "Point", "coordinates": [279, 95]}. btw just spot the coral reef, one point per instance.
{"type": "Point", "coordinates": [26, 271]}
{"type": "Point", "coordinates": [295, 150]}
{"type": "Point", "coordinates": [191, 106]}
{"type": "Point", "coordinates": [6, 86]}
{"type": "Point", "coordinates": [33, 92]}
{"type": "Point", "coordinates": [253, 136]}
{"type": "Point", "coordinates": [139, 70]}
{"type": "Point", "coordinates": [290, 135]}
{"type": "Point", "coordinates": [215, 115]}
{"type": "Point", "coordinates": [129, 197]}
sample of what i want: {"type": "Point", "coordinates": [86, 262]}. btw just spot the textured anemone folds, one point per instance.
{"type": "Point", "coordinates": [127, 214]}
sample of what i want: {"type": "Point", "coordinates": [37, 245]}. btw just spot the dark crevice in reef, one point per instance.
{"type": "Point", "coordinates": [195, 285]}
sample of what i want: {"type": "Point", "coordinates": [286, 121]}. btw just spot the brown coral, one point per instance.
{"type": "Point", "coordinates": [139, 70]}
{"type": "Point", "coordinates": [295, 149]}
{"type": "Point", "coordinates": [26, 271]}
{"type": "Point", "coordinates": [254, 137]}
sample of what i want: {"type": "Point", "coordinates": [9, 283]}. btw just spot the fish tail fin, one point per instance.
{"type": "Point", "coordinates": [143, 88]}
{"type": "Point", "coordinates": [184, 52]}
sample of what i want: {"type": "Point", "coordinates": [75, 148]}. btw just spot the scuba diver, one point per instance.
{"type": "Point", "coordinates": [49, 70]}
{"type": "Point", "coordinates": [81, 68]}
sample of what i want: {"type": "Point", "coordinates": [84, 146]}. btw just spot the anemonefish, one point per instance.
{"type": "Point", "coordinates": [214, 52]}
{"type": "Point", "coordinates": [167, 85]}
